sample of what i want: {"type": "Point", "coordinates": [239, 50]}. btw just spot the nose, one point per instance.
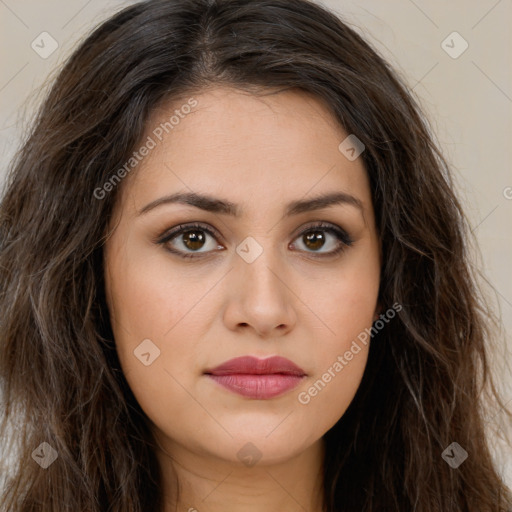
{"type": "Point", "coordinates": [261, 297]}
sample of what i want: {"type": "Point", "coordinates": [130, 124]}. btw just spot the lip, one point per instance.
{"type": "Point", "coordinates": [257, 378]}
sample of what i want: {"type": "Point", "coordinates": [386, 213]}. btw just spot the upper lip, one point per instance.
{"type": "Point", "coordinates": [254, 366]}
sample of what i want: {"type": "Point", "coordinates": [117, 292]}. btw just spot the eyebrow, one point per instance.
{"type": "Point", "coordinates": [215, 205]}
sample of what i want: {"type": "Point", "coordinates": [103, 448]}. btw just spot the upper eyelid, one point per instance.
{"type": "Point", "coordinates": [180, 228]}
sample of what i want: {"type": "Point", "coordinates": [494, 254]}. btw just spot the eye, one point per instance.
{"type": "Point", "coordinates": [194, 237]}
{"type": "Point", "coordinates": [323, 235]}
{"type": "Point", "coordinates": [191, 237]}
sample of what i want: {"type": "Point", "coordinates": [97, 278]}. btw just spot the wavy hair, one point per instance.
{"type": "Point", "coordinates": [428, 374]}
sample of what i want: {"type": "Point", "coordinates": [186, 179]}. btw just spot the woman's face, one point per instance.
{"type": "Point", "coordinates": [262, 283]}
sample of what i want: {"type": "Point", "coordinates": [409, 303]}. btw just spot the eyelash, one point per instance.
{"type": "Point", "coordinates": [342, 236]}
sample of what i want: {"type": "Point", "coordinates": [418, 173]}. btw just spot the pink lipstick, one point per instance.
{"type": "Point", "coordinates": [255, 378]}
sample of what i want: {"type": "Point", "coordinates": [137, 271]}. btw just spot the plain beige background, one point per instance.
{"type": "Point", "coordinates": [467, 95]}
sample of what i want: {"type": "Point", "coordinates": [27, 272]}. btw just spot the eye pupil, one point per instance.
{"type": "Point", "coordinates": [317, 238]}
{"type": "Point", "coordinates": [193, 239]}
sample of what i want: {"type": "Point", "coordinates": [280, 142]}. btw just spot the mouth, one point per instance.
{"type": "Point", "coordinates": [259, 379]}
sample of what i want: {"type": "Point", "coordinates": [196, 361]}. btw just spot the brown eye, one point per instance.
{"type": "Point", "coordinates": [323, 236]}
{"type": "Point", "coordinates": [190, 240]}
{"type": "Point", "coordinates": [314, 240]}
{"type": "Point", "coordinates": [193, 239]}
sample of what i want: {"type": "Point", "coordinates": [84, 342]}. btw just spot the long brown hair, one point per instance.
{"type": "Point", "coordinates": [61, 379]}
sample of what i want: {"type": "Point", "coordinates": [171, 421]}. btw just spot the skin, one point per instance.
{"type": "Point", "coordinates": [259, 153]}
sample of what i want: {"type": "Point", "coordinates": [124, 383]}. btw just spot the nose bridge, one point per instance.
{"type": "Point", "coordinates": [264, 299]}
{"type": "Point", "coordinates": [259, 265]}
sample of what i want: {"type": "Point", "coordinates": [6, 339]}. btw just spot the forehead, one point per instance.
{"type": "Point", "coordinates": [278, 147]}
{"type": "Point", "coordinates": [235, 123]}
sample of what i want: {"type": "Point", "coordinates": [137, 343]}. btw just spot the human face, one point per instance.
{"type": "Point", "coordinates": [278, 293]}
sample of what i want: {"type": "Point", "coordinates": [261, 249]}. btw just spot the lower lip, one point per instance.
{"type": "Point", "coordinates": [260, 387]}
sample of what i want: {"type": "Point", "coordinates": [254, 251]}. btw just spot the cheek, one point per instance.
{"type": "Point", "coordinates": [346, 307]}
{"type": "Point", "coordinates": [148, 302]}
{"type": "Point", "coordinates": [327, 395]}
{"type": "Point", "coordinates": [346, 303]}
{"type": "Point", "coordinates": [148, 314]}
{"type": "Point", "coordinates": [145, 300]}
{"type": "Point", "coordinates": [339, 360]}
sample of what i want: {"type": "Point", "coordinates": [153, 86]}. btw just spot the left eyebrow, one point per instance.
{"type": "Point", "coordinates": [215, 205]}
